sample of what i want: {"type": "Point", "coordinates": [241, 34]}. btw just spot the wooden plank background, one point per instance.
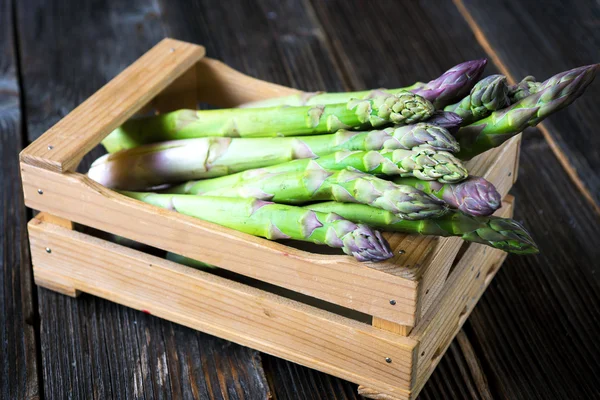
{"type": "Point", "coordinates": [534, 333]}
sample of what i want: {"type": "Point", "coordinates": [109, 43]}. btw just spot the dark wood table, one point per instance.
{"type": "Point", "coordinates": [534, 333]}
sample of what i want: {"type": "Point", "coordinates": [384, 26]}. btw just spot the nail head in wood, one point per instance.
{"type": "Point", "coordinates": [40, 191]}
{"type": "Point", "coordinates": [388, 360]}
{"type": "Point", "coordinates": [393, 302]}
{"type": "Point", "coordinates": [50, 147]}
{"type": "Point", "coordinates": [48, 250]}
{"type": "Point", "coordinates": [401, 252]}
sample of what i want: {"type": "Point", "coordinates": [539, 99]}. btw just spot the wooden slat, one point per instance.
{"type": "Point", "coordinates": [549, 42]}
{"type": "Point", "coordinates": [436, 331]}
{"type": "Point", "coordinates": [64, 145]}
{"type": "Point", "coordinates": [337, 279]}
{"type": "Point", "coordinates": [343, 347]}
{"type": "Point", "coordinates": [19, 367]}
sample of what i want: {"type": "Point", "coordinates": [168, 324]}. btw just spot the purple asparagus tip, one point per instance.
{"type": "Point", "coordinates": [474, 196]}
{"type": "Point", "coordinates": [446, 119]}
{"type": "Point", "coordinates": [453, 84]}
{"type": "Point", "coordinates": [366, 244]}
{"type": "Point", "coordinates": [561, 90]}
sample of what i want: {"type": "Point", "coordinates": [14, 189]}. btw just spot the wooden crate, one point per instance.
{"type": "Point", "coordinates": [382, 325]}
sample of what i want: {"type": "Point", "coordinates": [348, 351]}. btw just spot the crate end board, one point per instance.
{"type": "Point", "coordinates": [445, 318]}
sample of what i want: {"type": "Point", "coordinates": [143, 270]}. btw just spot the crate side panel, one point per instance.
{"type": "Point", "coordinates": [233, 311]}
{"type": "Point", "coordinates": [338, 279]}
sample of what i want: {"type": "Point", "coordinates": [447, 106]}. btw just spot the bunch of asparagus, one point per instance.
{"type": "Point", "coordinates": [334, 168]}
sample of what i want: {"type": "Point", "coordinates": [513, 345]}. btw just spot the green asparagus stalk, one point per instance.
{"type": "Point", "coordinates": [489, 94]}
{"type": "Point", "coordinates": [402, 109]}
{"type": "Point", "coordinates": [343, 186]}
{"type": "Point", "coordinates": [453, 84]}
{"type": "Point", "coordinates": [501, 233]}
{"type": "Point", "coordinates": [277, 221]}
{"type": "Point", "coordinates": [474, 196]}
{"type": "Point", "coordinates": [182, 160]}
{"type": "Point", "coordinates": [423, 163]}
{"type": "Point", "coordinates": [554, 94]}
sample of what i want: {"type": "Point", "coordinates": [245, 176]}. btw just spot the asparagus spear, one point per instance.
{"type": "Point", "coordinates": [384, 109]}
{"type": "Point", "coordinates": [180, 160]}
{"type": "Point", "coordinates": [453, 84]}
{"type": "Point", "coordinates": [489, 94]}
{"type": "Point", "coordinates": [448, 120]}
{"type": "Point", "coordinates": [344, 186]}
{"type": "Point", "coordinates": [501, 233]}
{"type": "Point", "coordinates": [423, 163]}
{"type": "Point", "coordinates": [474, 196]}
{"type": "Point", "coordinates": [554, 94]}
{"type": "Point", "coordinates": [526, 87]}
{"type": "Point", "coordinates": [277, 221]}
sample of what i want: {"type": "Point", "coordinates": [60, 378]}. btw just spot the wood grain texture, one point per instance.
{"type": "Point", "coordinates": [253, 44]}
{"type": "Point", "coordinates": [276, 41]}
{"type": "Point", "coordinates": [253, 317]}
{"type": "Point", "coordinates": [234, 311]}
{"type": "Point", "coordinates": [19, 367]}
{"type": "Point", "coordinates": [534, 329]}
{"type": "Point", "coordinates": [92, 348]}
{"type": "Point", "coordinates": [329, 277]}
{"type": "Point", "coordinates": [553, 38]}
{"type": "Point", "coordinates": [62, 147]}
